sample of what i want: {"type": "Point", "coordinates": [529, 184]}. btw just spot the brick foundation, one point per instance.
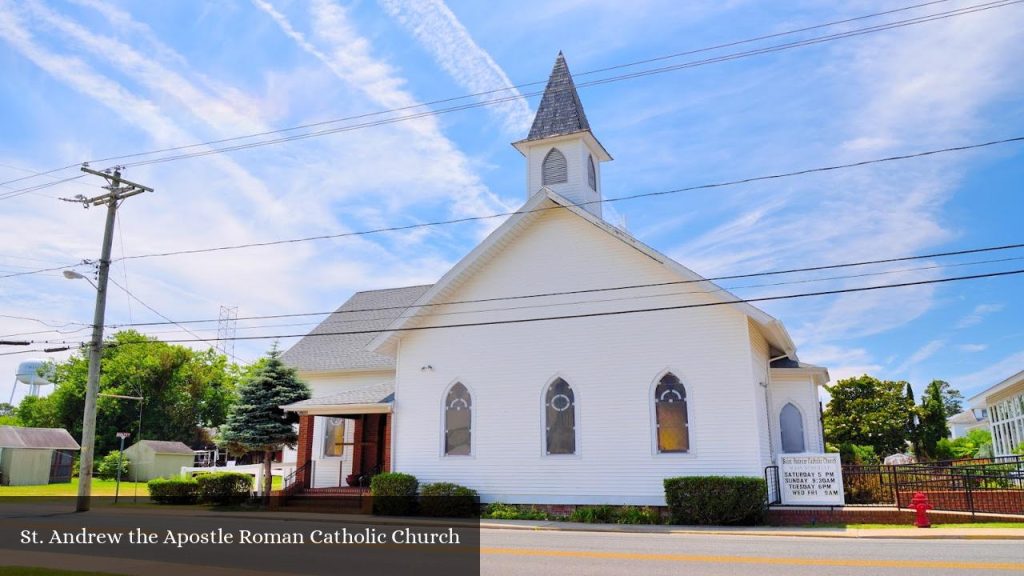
{"type": "Point", "coordinates": [987, 501]}
{"type": "Point", "coordinates": [804, 516]}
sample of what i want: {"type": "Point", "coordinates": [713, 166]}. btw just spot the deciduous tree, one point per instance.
{"type": "Point", "coordinates": [868, 412]}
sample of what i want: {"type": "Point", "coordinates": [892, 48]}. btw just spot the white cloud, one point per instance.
{"type": "Point", "coordinates": [972, 348]}
{"type": "Point", "coordinates": [899, 92]}
{"type": "Point", "coordinates": [978, 315]}
{"type": "Point", "coordinates": [348, 56]}
{"type": "Point", "coordinates": [439, 31]}
{"type": "Point", "coordinates": [920, 355]}
{"type": "Point", "coordinates": [991, 375]}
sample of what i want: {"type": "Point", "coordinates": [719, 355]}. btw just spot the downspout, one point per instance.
{"type": "Point", "coordinates": [768, 405]}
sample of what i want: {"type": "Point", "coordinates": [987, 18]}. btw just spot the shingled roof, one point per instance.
{"type": "Point", "coordinates": [560, 111]}
{"type": "Point", "coordinates": [166, 446]}
{"type": "Point", "coordinates": [323, 351]}
{"type": "Point", "coordinates": [379, 393]}
{"type": "Point", "coordinates": [48, 438]}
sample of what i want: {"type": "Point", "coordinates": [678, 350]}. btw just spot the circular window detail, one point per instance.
{"type": "Point", "coordinates": [561, 402]}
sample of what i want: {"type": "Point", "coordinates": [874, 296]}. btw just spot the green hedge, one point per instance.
{"type": "Point", "coordinates": [224, 488]}
{"type": "Point", "coordinates": [394, 493]}
{"type": "Point", "coordinates": [447, 500]}
{"type": "Point", "coordinates": [173, 490]}
{"type": "Point", "coordinates": [716, 500]}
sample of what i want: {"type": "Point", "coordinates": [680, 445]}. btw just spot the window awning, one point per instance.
{"type": "Point", "coordinates": [369, 399]}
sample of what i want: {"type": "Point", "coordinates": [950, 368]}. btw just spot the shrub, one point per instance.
{"type": "Point", "coordinates": [593, 514]}
{"type": "Point", "coordinates": [173, 490]}
{"type": "Point", "coordinates": [637, 515]}
{"type": "Point", "coordinates": [447, 500]}
{"type": "Point", "coordinates": [855, 454]}
{"type": "Point", "coordinates": [499, 511]}
{"type": "Point", "coordinates": [106, 468]}
{"type": "Point", "coordinates": [394, 493]}
{"type": "Point", "coordinates": [716, 500]}
{"type": "Point", "coordinates": [224, 488]}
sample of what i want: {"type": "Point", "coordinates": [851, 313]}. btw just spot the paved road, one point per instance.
{"type": "Point", "coordinates": [502, 552]}
{"type": "Point", "coordinates": [513, 552]}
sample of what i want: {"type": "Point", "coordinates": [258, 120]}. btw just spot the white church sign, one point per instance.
{"type": "Point", "coordinates": [811, 479]}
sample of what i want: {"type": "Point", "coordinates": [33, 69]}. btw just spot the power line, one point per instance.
{"type": "Point", "coordinates": [626, 287]}
{"type": "Point", "coordinates": [807, 42]}
{"type": "Point", "coordinates": [629, 76]}
{"type": "Point", "coordinates": [606, 313]}
{"type": "Point", "coordinates": [598, 201]}
{"type": "Point", "coordinates": [571, 292]}
{"type": "Point", "coordinates": [329, 322]}
{"type": "Point", "coordinates": [41, 270]}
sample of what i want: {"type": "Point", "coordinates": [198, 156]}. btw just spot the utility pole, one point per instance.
{"type": "Point", "coordinates": [119, 189]}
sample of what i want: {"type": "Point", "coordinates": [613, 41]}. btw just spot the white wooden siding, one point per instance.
{"type": "Point", "coordinates": [576, 188]}
{"type": "Point", "coordinates": [802, 392]}
{"type": "Point", "coordinates": [759, 357]}
{"type": "Point", "coordinates": [610, 362]}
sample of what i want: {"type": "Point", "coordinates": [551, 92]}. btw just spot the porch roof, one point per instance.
{"type": "Point", "coordinates": [368, 399]}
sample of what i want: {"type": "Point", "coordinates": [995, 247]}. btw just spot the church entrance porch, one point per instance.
{"type": "Point", "coordinates": [344, 440]}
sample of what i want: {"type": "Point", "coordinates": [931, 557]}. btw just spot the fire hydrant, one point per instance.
{"type": "Point", "coordinates": [921, 505]}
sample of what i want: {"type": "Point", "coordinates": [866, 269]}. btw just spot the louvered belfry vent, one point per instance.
{"type": "Point", "coordinates": [591, 173]}
{"type": "Point", "coordinates": [555, 170]}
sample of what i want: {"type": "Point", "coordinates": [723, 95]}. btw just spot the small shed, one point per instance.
{"type": "Point", "coordinates": [33, 456]}
{"type": "Point", "coordinates": [148, 459]}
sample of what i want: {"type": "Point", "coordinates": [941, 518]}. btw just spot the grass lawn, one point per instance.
{"type": "Point", "coordinates": [99, 488]}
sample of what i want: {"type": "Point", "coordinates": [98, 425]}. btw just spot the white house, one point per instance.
{"type": "Point", "coordinates": [962, 423]}
{"type": "Point", "coordinates": [1004, 404]}
{"type": "Point", "coordinates": [561, 361]}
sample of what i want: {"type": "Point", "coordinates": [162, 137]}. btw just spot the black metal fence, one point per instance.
{"type": "Point", "coordinates": [978, 485]}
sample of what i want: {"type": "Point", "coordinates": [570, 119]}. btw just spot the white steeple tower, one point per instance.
{"type": "Point", "coordinates": [561, 152]}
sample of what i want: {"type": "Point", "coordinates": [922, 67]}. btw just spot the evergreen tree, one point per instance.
{"type": "Point", "coordinates": [256, 422]}
{"type": "Point", "coordinates": [912, 425]}
{"type": "Point", "coordinates": [938, 399]}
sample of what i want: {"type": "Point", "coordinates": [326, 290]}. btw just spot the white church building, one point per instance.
{"type": "Point", "coordinates": [561, 361]}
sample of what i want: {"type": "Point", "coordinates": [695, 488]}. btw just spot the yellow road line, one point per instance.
{"type": "Point", "coordinates": [709, 559]}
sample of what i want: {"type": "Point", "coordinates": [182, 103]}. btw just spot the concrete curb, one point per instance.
{"type": "Point", "coordinates": [937, 533]}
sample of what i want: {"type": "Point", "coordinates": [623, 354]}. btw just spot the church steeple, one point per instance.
{"type": "Point", "coordinates": [561, 151]}
{"type": "Point", "coordinates": [560, 111]}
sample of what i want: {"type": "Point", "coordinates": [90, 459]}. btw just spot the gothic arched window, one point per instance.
{"type": "Point", "coordinates": [555, 170]}
{"type": "Point", "coordinates": [591, 173]}
{"type": "Point", "coordinates": [671, 415]}
{"type": "Point", "coordinates": [791, 422]}
{"type": "Point", "coordinates": [560, 418]}
{"type": "Point", "coordinates": [458, 421]}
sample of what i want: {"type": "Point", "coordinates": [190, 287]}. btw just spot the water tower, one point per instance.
{"type": "Point", "coordinates": [34, 373]}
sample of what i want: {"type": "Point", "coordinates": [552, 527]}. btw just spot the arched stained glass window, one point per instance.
{"type": "Point", "coordinates": [458, 421]}
{"type": "Point", "coordinates": [791, 422]}
{"type": "Point", "coordinates": [555, 170]}
{"type": "Point", "coordinates": [591, 173]}
{"type": "Point", "coordinates": [560, 418]}
{"type": "Point", "coordinates": [671, 415]}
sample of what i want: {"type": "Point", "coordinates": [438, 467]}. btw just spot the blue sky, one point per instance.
{"type": "Point", "coordinates": [87, 79]}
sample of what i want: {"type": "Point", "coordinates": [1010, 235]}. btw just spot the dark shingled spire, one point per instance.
{"type": "Point", "coordinates": [560, 110]}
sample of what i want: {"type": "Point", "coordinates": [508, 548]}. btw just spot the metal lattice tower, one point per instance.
{"type": "Point", "coordinates": [227, 326]}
